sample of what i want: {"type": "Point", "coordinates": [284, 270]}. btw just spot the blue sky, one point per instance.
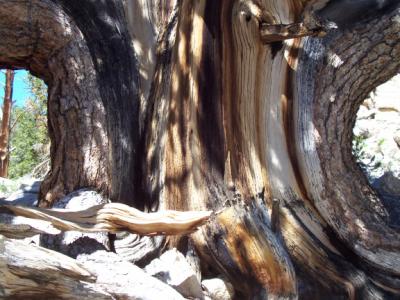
{"type": "Point", "coordinates": [21, 90]}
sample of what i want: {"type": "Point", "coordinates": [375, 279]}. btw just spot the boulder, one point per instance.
{"type": "Point", "coordinates": [140, 250]}
{"type": "Point", "coordinates": [119, 277]}
{"type": "Point", "coordinates": [173, 269]}
{"type": "Point", "coordinates": [29, 184]}
{"type": "Point", "coordinates": [73, 243]}
{"type": "Point", "coordinates": [22, 198]}
{"type": "Point", "coordinates": [388, 188]}
{"type": "Point", "coordinates": [378, 131]}
{"type": "Point", "coordinates": [365, 113]}
{"type": "Point", "coordinates": [388, 184]}
{"type": "Point", "coordinates": [26, 194]}
{"type": "Point", "coordinates": [218, 289]}
{"type": "Point", "coordinates": [386, 95]}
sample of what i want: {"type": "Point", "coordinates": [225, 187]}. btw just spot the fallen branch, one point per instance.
{"type": "Point", "coordinates": [115, 217]}
{"type": "Point", "coordinates": [32, 272]}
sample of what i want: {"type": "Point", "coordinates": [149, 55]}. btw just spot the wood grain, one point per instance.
{"type": "Point", "coordinates": [114, 217]}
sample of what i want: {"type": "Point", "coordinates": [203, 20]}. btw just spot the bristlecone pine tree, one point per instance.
{"type": "Point", "coordinates": [243, 107]}
{"type": "Point", "coordinates": [5, 123]}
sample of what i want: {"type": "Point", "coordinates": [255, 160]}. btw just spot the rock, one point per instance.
{"type": "Point", "coordinates": [7, 186]}
{"type": "Point", "coordinates": [388, 184]}
{"type": "Point", "coordinates": [377, 131]}
{"type": "Point", "coordinates": [22, 198]}
{"type": "Point", "coordinates": [368, 104]}
{"type": "Point", "coordinates": [173, 269]}
{"type": "Point", "coordinates": [365, 113]}
{"type": "Point", "coordinates": [29, 184]}
{"type": "Point", "coordinates": [386, 95]}
{"type": "Point", "coordinates": [140, 250]}
{"type": "Point", "coordinates": [120, 277]}
{"type": "Point", "coordinates": [218, 289]}
{"type": "Point", "coordinates": [388, 188]}
{"type": "Point", "coordinates": [362, 128]}
{"type": "Point", "coordinates": [72, 243]}
{"type": "Point", "coordinates": [26, 194]}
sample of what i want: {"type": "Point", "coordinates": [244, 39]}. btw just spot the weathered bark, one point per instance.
{"type": "Point", "coordinates": [211, 105]}
{"type": "Point", "coordinates": [5, 124]}
{"type": "Point", "coordinates": [240, 131]}
{"type": "Point", "coordinates": [92, 86]}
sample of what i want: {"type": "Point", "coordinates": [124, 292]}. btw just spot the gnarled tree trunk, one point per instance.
{"type": "Point", "coordinates": [243, 107]}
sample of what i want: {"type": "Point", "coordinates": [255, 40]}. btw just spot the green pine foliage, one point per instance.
{"type": "Point", "coordinates": [29, 144]}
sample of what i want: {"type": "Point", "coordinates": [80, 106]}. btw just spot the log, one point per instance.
{"type": "Point", "coordinates": [114, 217]}
{"type": "Point", "coordinates": [32, 272]}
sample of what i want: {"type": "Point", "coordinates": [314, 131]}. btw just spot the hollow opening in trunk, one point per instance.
{"type": "Point", "coordinates": [29, 144]}
{"type": "Point", "coordinates": [376, 142]}
{"type": "Point", "coordinates": [24, 138]}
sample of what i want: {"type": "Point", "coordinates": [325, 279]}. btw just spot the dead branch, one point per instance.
{"type": "Point", "coordinates": [279, 32]}
{"type": "Point", "coordinates": [115, 217]}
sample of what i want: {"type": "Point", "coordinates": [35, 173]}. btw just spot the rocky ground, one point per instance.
{"type": "Point", "coordinates": [376, 144]}
{"type": "Point", "coordinates": [22, 191]}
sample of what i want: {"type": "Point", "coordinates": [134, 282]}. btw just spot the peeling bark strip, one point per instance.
{"type": "Point", "coordinates": [279, 32]}
{"type": "Point", "coordinates": [115, 217]}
